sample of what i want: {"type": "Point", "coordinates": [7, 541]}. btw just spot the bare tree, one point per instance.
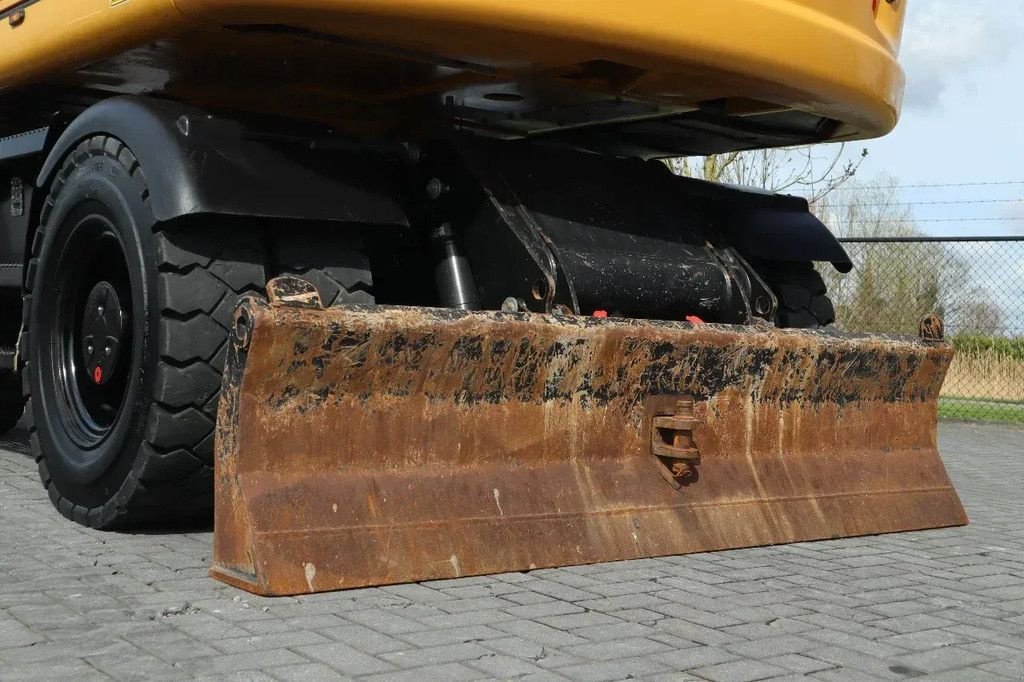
{"type": "Point", "coordinates": [813, 172]}
{"type": "Point", "coordinates": [893, 284]}
{"type": "Point", "coordinates": [981, 317]}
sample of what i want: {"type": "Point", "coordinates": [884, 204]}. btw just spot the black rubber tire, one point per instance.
{"type": "Point", "coordinates": [154, 465]}
{"type": "Point", "coordinates": [191, 273]}
{"type": "Point", "coordinates": [803, 297]}
{"type": "Point", "coordinates": [12, 402]}
{"type": "Point", "coordinates": [334, 261]}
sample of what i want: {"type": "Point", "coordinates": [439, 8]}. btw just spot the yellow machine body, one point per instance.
{"type": "Point", "coordinates": [818, 69]}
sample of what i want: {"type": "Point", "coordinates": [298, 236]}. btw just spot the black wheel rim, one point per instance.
{"type": "Point", "coordinates": [91, 336]}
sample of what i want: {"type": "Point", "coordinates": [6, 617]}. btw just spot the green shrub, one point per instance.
{"type": "Point", "coordinates": [977, 345]}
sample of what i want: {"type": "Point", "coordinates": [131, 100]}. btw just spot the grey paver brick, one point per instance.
{"type": "Point", "coordinates": [454, 672]}
{"type": "Point", "coordinates": [14, 634]}
{"type": "Point", "coordinates": [973, 675]}
{"type": "Point", "coordinates": [457, 620]}
{"type": "Point", "coordinates": [539, 632]}
{"type": "Point", "coordinates": [503, 667]}
{"type": "Point", "coordinates": [798, 663]}
{"type": "Point", "coordinates": [473, 604]}
{"type": "Point", "coordinates": [132, 666]}
{"type": "Point", "coordinates": [170, 645]}
{"type": "Point", "coordinates": [306, 672]}
{"type": "Point", "coordinates": [516, 647]}
{"type": "Point", "coordinates": [942, 659]}
{"type": "Point", "coordinates": [495, 588]}
{"type": "Point", "coordinates": [527, 597]}
{"type": "Point", "coordinates": [278, 640]}
{"type": "Point", "coordinates": [416, 593]}
{"type": "Point", "coordinates": [863, 645]}
{"type": "Point", "coordinates": [1012, 668]}
{"type": "Point", "coordinates": [613, 631]}
{"type": "Point", "coordinates": [254, 660]}
{"type": "Point", "coordinates": [415, 658]}
{"type": "Point", "coordinates": [621, 648]}
{"type": "Point", "coordinates": [545, 676]}
{"type": "Point", "coordinates": [695, 657]}
{"type": "Point", "coordinates": [902, 608]}
{"type": "Point", "coordinates": [856, 662]}
{"type": "Point", "coordinates": [740, 671]}
{"type": "Point", "coordinates": [913, 623]}
{"type": "Point", "coordinates": [553, 660]}
{"type": "Point", "coordinates": [612, 670]}
{"type": "Point", "coordinates": [365, 639]}
{"type": "Point", "coordinates": [468, 633]}
{"type": "Point", "coordinates": [772, 646]}
{"type": "Point", "coordinates": [544, 608]}
{"type": "Point", "coordinates": [925, 640]}
{"type": "Point", "coordinates": [68, 668]}
{"type": "Point", "coordinates": [557, 590]}
{"type": "Point", "coordinates": [697, 633]}
{"type": "Point", "coordinates": [578, 620]}
{"type": "Point", "coordinates": [642, 616]}
{"type": "Point", "coordinates": [76, 603]}
{"type": "Point", "coordinates": [344, 658]}
{"type": "Point", "coordinates": [385, 621]}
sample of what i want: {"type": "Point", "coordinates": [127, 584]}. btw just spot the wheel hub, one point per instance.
{"type": "Point", "coordinates": [103, 324]}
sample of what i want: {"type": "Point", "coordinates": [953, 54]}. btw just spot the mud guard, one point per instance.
{"type": "Point", "coordinates": [370, 446]}
{"type": "Point", "coordinates": [197, 163]}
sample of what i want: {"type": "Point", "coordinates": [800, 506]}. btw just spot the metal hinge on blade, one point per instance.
{"type": "Point", "coordinates": [673, 445]}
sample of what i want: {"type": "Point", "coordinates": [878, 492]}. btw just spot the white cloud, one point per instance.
{"type": "Point", "coordinates": [949, 43]}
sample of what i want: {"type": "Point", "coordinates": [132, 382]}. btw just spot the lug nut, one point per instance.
{"type": "Point", "coordinates": [435, 188]}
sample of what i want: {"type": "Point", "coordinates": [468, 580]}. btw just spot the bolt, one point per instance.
{"type": "Point", "coordinates": [442, 231]}
{"type": "Point", "coordinates": [435, 188]}
{"type": "Point", "coordinates": [510, 305]}
{"type": "Point", "coordinates": [412, 152]}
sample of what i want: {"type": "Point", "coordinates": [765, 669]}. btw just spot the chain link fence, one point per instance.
{"type": "Point", "coordinates": [975, 284]}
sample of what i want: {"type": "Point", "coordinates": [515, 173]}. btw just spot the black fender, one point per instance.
{"type": "Point", "coordinates": [197, 163]}
{"type": "Point", "coordinates": [762, 225]}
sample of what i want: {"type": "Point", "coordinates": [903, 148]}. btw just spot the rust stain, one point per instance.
{"type": "Point", "coordinates": [385, 445]}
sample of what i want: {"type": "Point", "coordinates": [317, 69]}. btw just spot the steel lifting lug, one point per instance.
{"type": "Point", "coordinates": [932, 328]}
{"type": "Point", "coordinates": [293, 291]}
{"type": "Point", "coordinates": [672, 443]}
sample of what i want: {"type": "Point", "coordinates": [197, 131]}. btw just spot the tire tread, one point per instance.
{"type": "Point", "coordinates": [803, 297]}
{"type": "Point", "coordinates": [201, 271]}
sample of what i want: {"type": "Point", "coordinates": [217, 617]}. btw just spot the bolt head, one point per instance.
{"type": "Point", "coordinates": [435, 188]}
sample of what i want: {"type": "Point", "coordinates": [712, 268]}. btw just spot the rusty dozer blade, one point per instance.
{"type": "Point", "coordinates": [368, 446]}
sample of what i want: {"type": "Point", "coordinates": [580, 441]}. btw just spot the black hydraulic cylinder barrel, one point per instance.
{"type": "Point", "coordinates": [456, 285]}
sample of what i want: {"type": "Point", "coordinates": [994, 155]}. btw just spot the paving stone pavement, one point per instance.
{"type": "Point", "coordinates": [945, 604]}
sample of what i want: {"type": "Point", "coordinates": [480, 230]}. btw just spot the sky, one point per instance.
{"type": "Point", "coordinates": [963, 118]}
{"type": "Point", "coordinates": [963, 122]}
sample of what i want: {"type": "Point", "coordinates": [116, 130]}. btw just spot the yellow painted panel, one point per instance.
{"type": "Point", "coordinates": [834, 58]}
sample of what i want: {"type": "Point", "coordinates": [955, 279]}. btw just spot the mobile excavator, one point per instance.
{"type": "Point", "coordinates": [401, 289]}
